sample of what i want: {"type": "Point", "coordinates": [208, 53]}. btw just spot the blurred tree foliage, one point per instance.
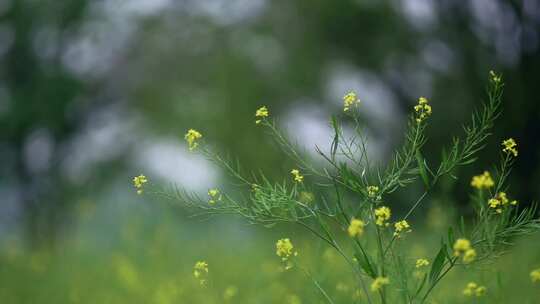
{"type": "Point", "coordinates": [37, 95]}
{"type": "Point", "coordinates": [210, 64]}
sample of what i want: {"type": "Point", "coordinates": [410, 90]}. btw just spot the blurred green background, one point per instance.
{"type": "Point", "coordinates": [95, 92]}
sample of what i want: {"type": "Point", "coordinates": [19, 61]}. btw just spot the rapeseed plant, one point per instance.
{"type": "Point", "coordinates": [375, 254]}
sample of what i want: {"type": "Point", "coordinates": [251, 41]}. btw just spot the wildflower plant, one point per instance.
{"type": "Point", "coordinates": [383, 270]}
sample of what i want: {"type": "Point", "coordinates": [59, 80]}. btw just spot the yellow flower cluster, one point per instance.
{"type": "Point", "coordinates": [356, 227]}
{"type": "Point", "coordinates": [379, 283]}
{"type": "Point", "coordinates": [500, 201]}
{"type": "Point", "coordinates": [463, 248]}
{"type": "Point", "coordinates": [421, 263]}
{"type": "Point", "coordinates": [510, 147]}
{"type": "Point", "coordinates": [200, 271]}
{"type": "Point", "coordinates": [422, 109]}
{"type": "Point", "coordinates": [473, 289]}
{"type": "Point", "coordinates": [138, 182]}
{"type": "Point", "coordinates": [261, 114]}
{"type": "Point", "coordinates": [401, 226]}
{"type": "Point", "coordinates": [215, 196]}
{"type": "Point", "coordinates": [284, 249]}
{"type": "Point", "coordinates": [482, 181]}
{"type": "Point", "coordinates": [372, 191]}
{"type": "Point", "coordinates": [192, 136]}
{"type": "Point", "coordinates": [535, 275]}
{"type": "Point", "coordinates": [382, 215]}
{"type": "Point", "coordinates": [350, 100]}
{"type": "Point", "coordinates": [297, 176]}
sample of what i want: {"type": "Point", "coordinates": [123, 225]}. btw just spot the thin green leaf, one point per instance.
{"type": "Point", "coordinates": [438, 264]}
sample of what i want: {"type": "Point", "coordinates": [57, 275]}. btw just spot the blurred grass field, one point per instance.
{"type": "Point", "coordinates": [94, 92]}
{"type": "Point", "coordinates": [115, 254]}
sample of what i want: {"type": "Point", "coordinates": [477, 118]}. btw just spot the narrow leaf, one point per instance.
{"type": "Point", "coordinates": [364, 263]}
{"type": "Point", "coordinates": [438, 264]}
{"type": "Point", "coordinates": [422, 168]}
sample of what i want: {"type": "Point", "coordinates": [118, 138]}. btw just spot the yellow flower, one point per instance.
{"type": "Point", "coordinates": [480, 291]}
{"type": "Point", "coordinates": [535, 275]}
{"type": "Point", "coordinates": [284, 249]}
{"type": "Point", "coordinates": [356, 228]}
{"type": "Point", "coordinates": [469, 290]}
{"type": "Point", "coordinates": [297, 176]}
{"type": "Point", "coordinates": [469, 256]}
{"type": "Point", "coordinates": [215, 196]}
{"type": "Point", "coordinates": [421, 263]}
{"type": "Point", "coordinates": [350, 100]}
{"type": "Point", "coordinates": [500, 201]}
{"type": "Point", "coordinates": [510, 147]}
{"type": "Point", "coordinates": [138, 182]}
{"type": "Point", "coordinates": [473, 289]}
{"type": "Point", "coordinates": [494, 77]}
{"type": "Point", "coordinates": [482, 181]}
{"type": "Point", "coordinates": [495, 203]}
{"type": "Point", "coordinates": [261, 114]}
{"type": "Point", "coordinates": [200, 271]}
{"type": "Point", "coordinates": [401, 226]}
{"type": "Point", "coordinates": [379, 283]}
{"type": "Point", "coordinates": [191, 137]}
{"type": "Point", "coordinates": [372, 191]}
{"type": "Point", "coordinates": [462, 247]}
{"type": "Point", "coordinates": [503, 198]}
{"type": "Point", "coordinates": [382, 215]}
{"type": "Point", "coordinates": [423, 109]}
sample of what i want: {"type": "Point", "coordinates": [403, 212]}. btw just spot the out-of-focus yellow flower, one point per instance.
{"type": "Point", "coordinates": [379, 283]}
{"type": "Point", "coordinates": [192, 136]}
{"type": "Point", "coordinates": [297, 176]}
{"type": "Point", "coordinates": [200, 271]}
{"type": "Point", "coordinates": [535, 275]}
{"type": "Point", "coordinates": [421, 263]}
{"type": "Point", "coordinates": [356, 228]}
{"type": "Point", "coordinates": [482, 181]}
{"type": "Point", "coordinates": [463, 248]}
{"type": "Point", "coordinates": [127, 272]}
{"type": "Point", "coordinates": [469, 256]}
{"type": "Point", "coordinates": [138, 182]}
{"type": "Point", "coordinates": [342, 287]}
{"type": "Point", "coordinates": [261, 114]}
{"type": "Point", "coordinates": [461, 245]}
{"type": "Point", "coordinates": [510, 147]}
{"type": "Point", "coordinates": [230, 292]}
{"type": "Point", "coordinates": [350, 100]}
{"type": "Point", "coordinates": [423, 109]}
{"type": "Point", "coordinates": [473, 289]}
{"type": "Point", "coordinates": [215, 196]}
{"type": "Point", "coordinates": [382, 215]}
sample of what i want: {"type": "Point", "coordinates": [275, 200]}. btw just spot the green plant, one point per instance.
{"type": "Point", "coordinates": [383, 270]}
